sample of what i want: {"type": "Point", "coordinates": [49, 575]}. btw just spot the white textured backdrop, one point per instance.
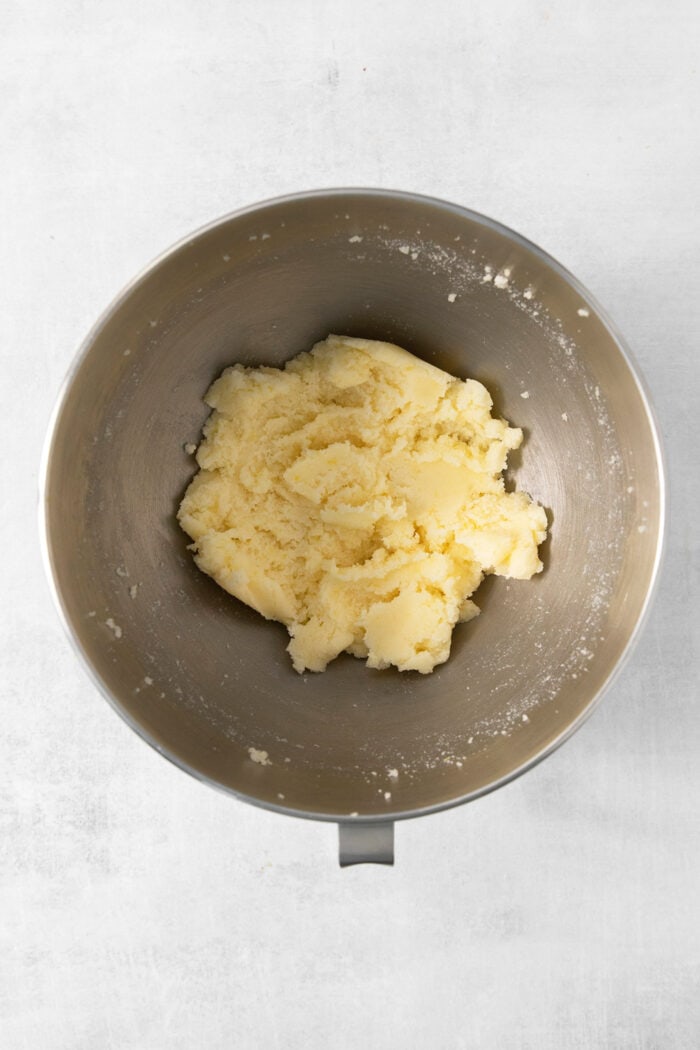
{"type": "Point", "coordinates": [142, 911]}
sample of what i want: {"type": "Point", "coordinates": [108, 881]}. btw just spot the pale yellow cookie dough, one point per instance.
{"type": "Point", "coordinates": [356, 496]}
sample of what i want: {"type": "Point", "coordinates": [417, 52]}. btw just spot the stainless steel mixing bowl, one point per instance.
{"type": "Point", "coordinates": [200, 676]}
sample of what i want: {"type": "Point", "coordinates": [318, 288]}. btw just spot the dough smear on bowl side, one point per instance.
{"type": "Point", "coordinates": [356, 495]}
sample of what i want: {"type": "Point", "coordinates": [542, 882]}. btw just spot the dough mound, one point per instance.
{"type": "Point", "coordinates": [356, 496]}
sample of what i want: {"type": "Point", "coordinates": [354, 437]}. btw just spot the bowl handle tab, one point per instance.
{"type": "Point", "coordinates": [360, 843]}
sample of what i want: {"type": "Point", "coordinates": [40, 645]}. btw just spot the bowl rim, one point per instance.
{"type": "Point", "coordinates": [84, 349]}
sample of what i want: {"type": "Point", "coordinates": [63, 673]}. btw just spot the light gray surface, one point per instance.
{"type": "Point", "coordinates": [141, 910]}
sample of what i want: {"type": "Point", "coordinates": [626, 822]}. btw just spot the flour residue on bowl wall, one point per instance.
{"type": "Point", "coordinates": [461, 268]}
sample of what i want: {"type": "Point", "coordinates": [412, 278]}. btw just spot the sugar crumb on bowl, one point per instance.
{"type": "Point", "coordinates": [261, 757]}
{"type": "Point", "coordinates": [114, 627]}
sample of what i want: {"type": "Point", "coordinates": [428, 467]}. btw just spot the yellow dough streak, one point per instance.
{"type": "Point", "coordinates": [356, 495]}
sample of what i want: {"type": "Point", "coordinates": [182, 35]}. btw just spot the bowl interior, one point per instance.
{"type": "Point", "coordinates": [203, 677]}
